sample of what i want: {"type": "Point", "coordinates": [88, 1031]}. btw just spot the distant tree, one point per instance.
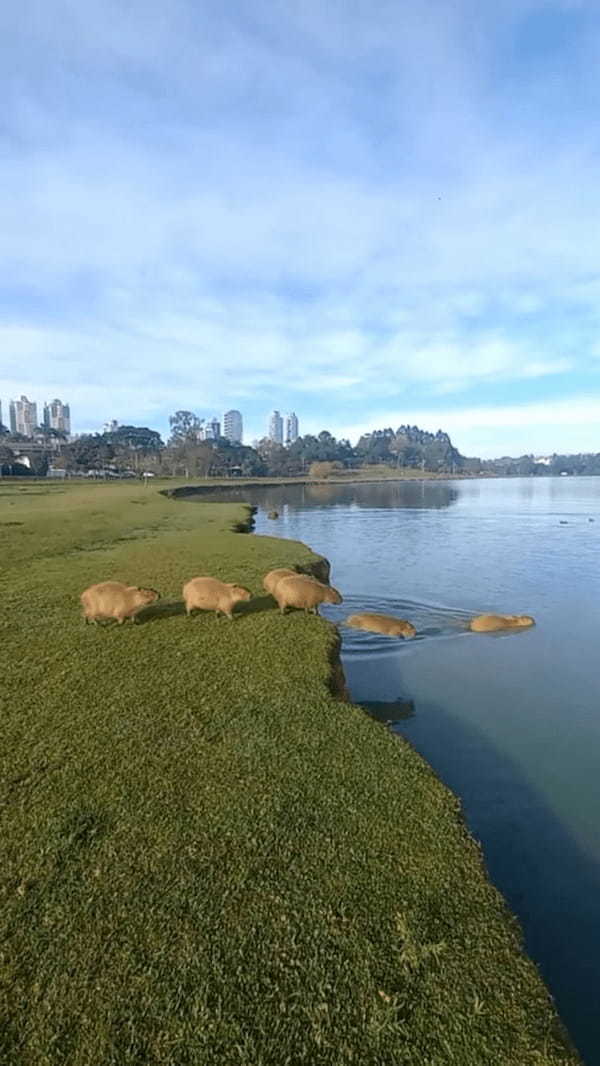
{"type": "Point", "coordinates": [136, 438]}
{"type": "Point", "coordinates": [278, 461]}
{"type": "Point", "coordinates": [90, 452]}
{"type": "Point", "coordinates": [39, 465]}
{"type": "Point", "coordinates": [375, 447]}
{"type": "Point", "coordinates": [325, 469]}
{"type": "Point", "coordinates": [133, 444]}
{"type": "Point", "coordinates": [7, 459]}
{"type": "Point", "coordinates": [185, 425]}
{"type": "Point", "coordinates": [4, 430]}
{"type": "Point", "coordinates": [50, 433]}
{"type": "Point", "coordinates": [231, 457]}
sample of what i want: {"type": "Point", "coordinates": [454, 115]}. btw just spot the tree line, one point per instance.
{"type": "Point", "coordinates": [134, 450]}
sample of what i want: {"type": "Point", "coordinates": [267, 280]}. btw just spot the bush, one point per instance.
{"type": "Point", "coordinates": [324, 470]}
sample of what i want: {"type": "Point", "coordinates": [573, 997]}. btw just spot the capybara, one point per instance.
{"type": "Point", "coordinates": [112, 599]}
{"type": "Point", "coordinates": [382, 623]}
{"type": "Point", "coordinates": [490, 623]}
{"type": "Point", "coordinates": [273, 514]}
{"type": "Point", "coordinates": [304, 592]}
{"type": "Point", "coordinates": [210, 594]}
{"type": "Point", "coordinates": [271, 579]}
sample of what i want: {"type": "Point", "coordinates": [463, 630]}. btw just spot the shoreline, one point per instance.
{"type": "Point", "coordinates": [209, 486]}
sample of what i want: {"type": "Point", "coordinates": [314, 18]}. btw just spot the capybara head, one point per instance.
{"type": "Point", "coordinates": [238, 592]}
{"type": "Point", "coordinates": [524, 620]}
{"type": "Point", "coordinates": [148, 595]}
{"type": "Point", "coordinates": [333, 596]}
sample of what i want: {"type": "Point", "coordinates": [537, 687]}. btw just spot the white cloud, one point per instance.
{"type": "Point", "coordinates": [568, 425]}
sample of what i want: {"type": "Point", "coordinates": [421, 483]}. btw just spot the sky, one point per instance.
{"type": "Point", "coordinates": [368, 213]}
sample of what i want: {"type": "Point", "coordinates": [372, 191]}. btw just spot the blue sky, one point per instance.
{"type": "Point", "coordinates": [369, 213]}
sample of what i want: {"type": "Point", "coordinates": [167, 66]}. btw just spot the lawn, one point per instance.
{"type": "Point", "coordinates": [208, 858]}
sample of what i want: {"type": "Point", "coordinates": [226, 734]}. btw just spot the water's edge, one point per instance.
{"type": "Point", "coordinates": [338, 687]}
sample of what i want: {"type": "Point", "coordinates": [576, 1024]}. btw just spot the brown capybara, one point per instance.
{"type": "Point", "coordinates": [112, 599]}
{"type": "Point", "coordinates": [382, 623]}
{"type": "Point", "coordinates": [304, 593]}
{"type": "Point", "coordinates": [271, 579]}
{"type": "Point", "coordinates": [491, 623]}
{"type": "Point", "coordinates": [210, 594]}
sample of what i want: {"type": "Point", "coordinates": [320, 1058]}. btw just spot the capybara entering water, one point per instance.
{"type": "Point", "coordinates": [304, 592]}
{"type": "Point", "coordinates": [271, 580]}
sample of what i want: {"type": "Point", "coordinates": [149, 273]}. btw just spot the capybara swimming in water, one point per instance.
{"type": "Point", "coordinates": [490, 623]}
{"type": "Point", "coordinates": [382, 623]}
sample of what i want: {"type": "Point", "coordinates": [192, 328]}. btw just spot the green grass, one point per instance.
{"type": "Point", "coordinates": [206, 857]}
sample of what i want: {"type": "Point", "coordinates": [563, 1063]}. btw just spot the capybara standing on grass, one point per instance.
{"type": "Point", "coordinates": [304, 592]}
{"type": "Point", "coordinates": [209, 594]}
{"type": "Point", "coordinates": [490, 623]}
{"type": "Point", "coordinates": [112, 599]}
{"type": "Point", "coordinates": [382, 623]}
{"type": "Point", "coordinates": [271, 580]}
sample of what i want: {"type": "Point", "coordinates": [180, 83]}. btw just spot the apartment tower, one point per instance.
{"type": "Point", "coordinates": [233, 426]}
{"type": "Point", "coordinates": [23, 417]}
{"type": "Point", "coordinates": [276, 428]}
{"type": "Point", "coordinates": [291, 428]}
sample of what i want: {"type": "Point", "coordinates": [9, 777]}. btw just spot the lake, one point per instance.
{"type": "Point", "coordinates": [511, 722]}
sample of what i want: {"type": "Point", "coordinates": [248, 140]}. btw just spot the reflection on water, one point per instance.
{"type": "Point", "coordinates": [390, 713]}
{"type": "Point", "coordinates": [510, 721]}
{"type": "Point", "coordinates": [411, 494]}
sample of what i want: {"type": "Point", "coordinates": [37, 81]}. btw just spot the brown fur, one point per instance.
{"type": "Point", "coordinates": [209, 594]}
{"type": "Point", "coordinates": [271, 579]}
{"type": "Point", "coordinates": [490, 623]}
{"type": "Point", "coordinates": [382, 623]}
{"type": "Point", "coordinates": [304, 592]}
{"type": "Point", "coordinates": [112, 599]}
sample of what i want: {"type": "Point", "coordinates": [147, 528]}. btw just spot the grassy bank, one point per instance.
{"type": "Point", "coordinates": [207, 858]}
{"type": "Point", "coordinates": [177, 487]}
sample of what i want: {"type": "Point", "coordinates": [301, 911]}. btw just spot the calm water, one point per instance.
{"type": "Point", "coordinates": [510, 722]}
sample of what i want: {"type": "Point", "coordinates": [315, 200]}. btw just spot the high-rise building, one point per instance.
{"type": "Point", "coordinates": [276, 428]}
{"type": "Point", "coordinates": [232, 426]}
{"type": "Point", "coordinates": [212, 429]}
{"type": "Point", "coordinates": [291, 428]}
{"type": "Point", "coordinates": [57, 415]}
{"type": "Point", "coordinates": [111, 427]}
{"type": "Point", "coordinates": [23, 417]}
